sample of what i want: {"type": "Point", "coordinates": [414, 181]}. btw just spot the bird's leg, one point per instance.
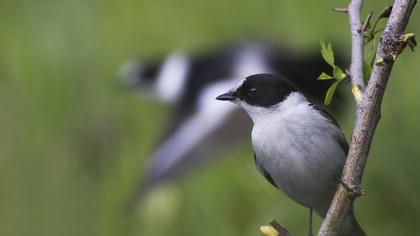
{"type": "Point", "coordinates": [310, 223]}
{"type": "Point", "coordinates": [354, 190]}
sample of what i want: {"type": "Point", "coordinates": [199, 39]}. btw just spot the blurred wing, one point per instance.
{"type": "Point", "coordinates": [213, 128]}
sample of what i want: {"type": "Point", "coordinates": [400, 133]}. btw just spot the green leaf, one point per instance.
{"type": "Point", "coordinates": [330, 93]}
{"type": "Point", "coordinates": [338, 73]}
{"type": "Point", "coordinates": [327, 53]}
{"type": "Point", "coordinates": [325, 76]}
{"type": "Point", "coordinates": [371, 51]}
{"type": "Point", "coordinates": [367, 69]}
{"type": "Point", "coordinates": [369, 37]}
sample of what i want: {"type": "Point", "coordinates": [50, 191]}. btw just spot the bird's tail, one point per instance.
{"type": "Point", "coordinates": [351, 227]}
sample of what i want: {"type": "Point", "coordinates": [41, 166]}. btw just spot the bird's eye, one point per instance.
{"type": "Point", "coordinates": [252, 92]}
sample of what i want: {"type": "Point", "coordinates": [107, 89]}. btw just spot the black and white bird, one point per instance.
{"type": "Point", "coordinates": [199, 129]}
{"type": "Point", "coordinates": [298, 147]}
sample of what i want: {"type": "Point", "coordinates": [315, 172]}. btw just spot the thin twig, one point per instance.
{"type": "Point", "coordinates": [357, 39]}
{"type": "Point", "coordinates": [367, 114]}
{"type": "Point", "coordinates": [340, 9]}
{"type": "Point", "coordinates": [366, 22]}
{"type": "Point", "coordinates": [386, 12]}
{"type": "Point", "coordinates": [282, 231]}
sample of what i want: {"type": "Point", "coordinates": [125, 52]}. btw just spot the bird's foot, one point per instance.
{"type": "Point", "coordinates": [354, 190]}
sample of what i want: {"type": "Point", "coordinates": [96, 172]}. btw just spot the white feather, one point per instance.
{"type": "Point", "coordinates": [172, 77]}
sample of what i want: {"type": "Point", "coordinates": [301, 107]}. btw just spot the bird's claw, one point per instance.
{"type": "Point", "coordinates": [354, 190]}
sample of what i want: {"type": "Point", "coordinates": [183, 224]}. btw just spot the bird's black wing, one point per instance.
{"type": "Point", "coordinates": [342, 139]}
{"type": "Point", "coordinates": [264, 172]}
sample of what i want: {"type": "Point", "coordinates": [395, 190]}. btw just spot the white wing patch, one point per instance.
{"type": "Point", "coordinates": [172, 77]}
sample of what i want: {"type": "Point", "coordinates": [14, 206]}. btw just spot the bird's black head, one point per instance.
{"type": "Point", "coordinates": [262, 90]}
{"type": "Point", "coordinates": [136, 74]}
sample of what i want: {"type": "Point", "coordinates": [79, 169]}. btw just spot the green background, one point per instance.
{"type": "Point", "coordinates": [72, 142]}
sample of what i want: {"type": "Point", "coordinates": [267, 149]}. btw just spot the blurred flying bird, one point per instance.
{"type": "Point", "coordinates": [199, 128]}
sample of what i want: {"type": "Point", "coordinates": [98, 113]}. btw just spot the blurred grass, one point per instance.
{"type": "Point", "coordinates": [72, 141]}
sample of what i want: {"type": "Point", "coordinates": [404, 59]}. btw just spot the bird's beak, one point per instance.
{"type": "Point", "coordinates": [229, 96]}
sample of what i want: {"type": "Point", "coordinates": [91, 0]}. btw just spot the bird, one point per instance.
{"type": "Point", "coordinates": [198, 130]}
{"type": "Point", "coordinates": [298, 147]}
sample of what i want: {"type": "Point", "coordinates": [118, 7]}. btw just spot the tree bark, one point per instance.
{"type": "Point", "coordinates": [368, 110]}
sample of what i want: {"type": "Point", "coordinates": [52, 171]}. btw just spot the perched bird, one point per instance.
{"type": "Point", "coordinates": [298, 147]}
{"type": "Point", "coordinates": [198, 129]}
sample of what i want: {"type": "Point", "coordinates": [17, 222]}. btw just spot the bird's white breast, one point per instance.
{"type": "Point", "coordinates": [297, 146]}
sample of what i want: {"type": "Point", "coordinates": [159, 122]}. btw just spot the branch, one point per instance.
{"type": "Point", "coordinates": [393, 41]}
{"type": "Point", "coordinates": [356, 66]}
